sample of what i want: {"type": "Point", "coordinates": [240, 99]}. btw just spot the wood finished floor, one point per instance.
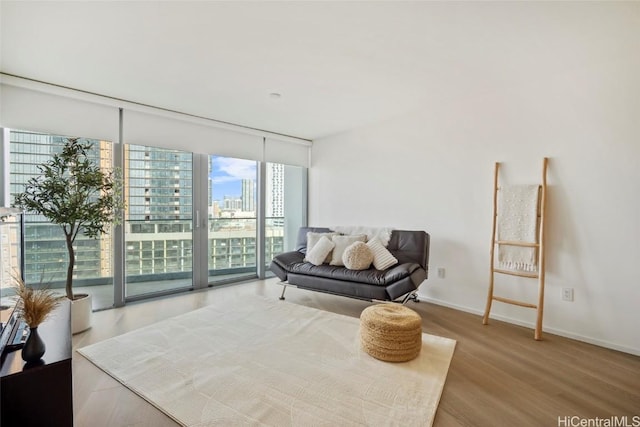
{"type": "Point", "coordinates": [499, 376]}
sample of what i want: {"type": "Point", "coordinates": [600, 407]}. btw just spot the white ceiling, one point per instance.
{"type": "Point", "coordinates": [338, 65]}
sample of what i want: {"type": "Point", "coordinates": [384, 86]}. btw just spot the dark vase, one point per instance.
{"type": "Point", "coordinates": [33, 348]}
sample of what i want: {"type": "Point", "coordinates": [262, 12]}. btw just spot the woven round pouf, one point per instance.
{"type": "Point", "coordinates": [391, 332]}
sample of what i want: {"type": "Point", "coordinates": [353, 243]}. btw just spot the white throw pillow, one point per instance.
{"type": "Point", "coordinates": [320, 251]}
{"type": "Point", "coordinates": [342, 242]}
{"type": "Point", "coordinates": [382, 258]}
{"type": "Point", "coordinates": [313, 238]}
{"type": "Point", "coordinates": [357, 256]}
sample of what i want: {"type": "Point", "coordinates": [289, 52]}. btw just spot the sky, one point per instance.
{"type": "Point", "coordinates": [227, 175]}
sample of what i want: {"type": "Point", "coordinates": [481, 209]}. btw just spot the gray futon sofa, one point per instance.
{"type": "Point", "coordinates": [402, 280]}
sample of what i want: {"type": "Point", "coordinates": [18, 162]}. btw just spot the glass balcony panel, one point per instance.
{"type": "Point", "coordinates": [232, 218]}
{"type": "Point", "coordinates": [46, 256]}
{"type": "Point", "coordinates": [162, 233]}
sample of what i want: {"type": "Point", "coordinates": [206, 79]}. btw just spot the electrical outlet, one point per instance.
{"type": "Point", "coordinates": [441, 272]}
{"type": "Point", "coordinates": [567, 294]}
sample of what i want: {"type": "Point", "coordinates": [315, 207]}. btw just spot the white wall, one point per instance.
{"type": "Point", "coordinates": [433, 170]}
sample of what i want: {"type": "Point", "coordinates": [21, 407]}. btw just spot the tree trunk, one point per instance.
{"type": "Point", "coordinates": [72, 261]}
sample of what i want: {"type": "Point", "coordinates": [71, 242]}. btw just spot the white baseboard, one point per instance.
{"type": "Point", "coordinates": [562, 333]}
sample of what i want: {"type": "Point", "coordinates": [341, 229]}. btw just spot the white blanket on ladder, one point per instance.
{"type": "Point", "coordinates": [517, 221]}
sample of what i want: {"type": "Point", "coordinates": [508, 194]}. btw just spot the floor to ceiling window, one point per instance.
{"type": "Point", "coordinates": [232, 232]}
{"type": "Point", "coordinates": [253, 212]}
{"type": "Point", "coordinates": [45, 253]}
{"type": "Point", "coordinates": [158, 220]}
{"type": "Point", "coordinates": [285, 207]}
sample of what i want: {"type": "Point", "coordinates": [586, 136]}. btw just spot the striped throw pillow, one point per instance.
{"type": "Point", "coordinates": [382, 258]}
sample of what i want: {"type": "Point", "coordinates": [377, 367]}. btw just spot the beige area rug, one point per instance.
{"type": "Point", "coordinates": [273, 363]}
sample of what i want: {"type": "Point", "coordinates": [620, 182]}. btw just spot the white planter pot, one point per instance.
{"type": "Point", "coordinates": [80, 313]}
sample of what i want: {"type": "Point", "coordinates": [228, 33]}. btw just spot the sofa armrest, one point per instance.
{"type": "Point", "coordinates": [286, 259]}
{"type": "Point", "coordinates": [281, 264]}
{"type": "Point", "coordinates": [400, 271]}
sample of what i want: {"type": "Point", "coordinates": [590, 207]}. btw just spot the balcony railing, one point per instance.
{"type": "Point", "coordinates": [154, 250]}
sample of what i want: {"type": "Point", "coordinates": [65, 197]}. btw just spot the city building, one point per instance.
{"type": "Point", "coordinates": [249, 195]}
{"type": "Point", "coordinates": [158, 219]}
{"type": "Point", "coordinates": [275, 195]}
{"type": "Point", "coordinates": [44, 250]}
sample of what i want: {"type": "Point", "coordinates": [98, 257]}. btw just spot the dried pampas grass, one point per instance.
{"type": "Point", "coordinates": [37, 304]}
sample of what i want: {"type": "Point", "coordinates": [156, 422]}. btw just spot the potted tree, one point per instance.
{"type": "Point", "coordinates": [78, 195]}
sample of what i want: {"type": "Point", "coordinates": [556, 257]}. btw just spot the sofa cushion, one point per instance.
{"type": "Point", "coordinates": [301, 241]}
{"type": "Point", "coordinates": [312, 240]}
{"type": "Point", "coordinates": [319, 252]}
{"type": "Point", "coordinates": [342, 243]}
{"type": "Point", "coordinates": [357, 256]}
{"type": "Point", "coordinates": [382, 258]}
{"type": "Point", "coordinates": [342, 287]}
{"type": "Point", "coordinates": [370, 276]}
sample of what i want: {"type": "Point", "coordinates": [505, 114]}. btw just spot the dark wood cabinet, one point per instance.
{"type": "Point", "coordinates": [42, 394]}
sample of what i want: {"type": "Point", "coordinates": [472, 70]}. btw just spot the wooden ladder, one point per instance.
{"type": "Point", "coordinates": [539, 245]}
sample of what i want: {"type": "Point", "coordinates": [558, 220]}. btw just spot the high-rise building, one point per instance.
{"type": "Point", "coordinates": [158, 184]}
{"type": "Point", "coordinates": [232, 203]}
{"type": "Point", "coordinates": [275, 190]}
{"type": "Point", "coordinates": [158, 227]}
{"type": "Point", "coordinates": [248, 195]}
{"type": "Point", "coordinates": [158, 190]}
{"type": "Point", "coordinates": [44, 245]}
